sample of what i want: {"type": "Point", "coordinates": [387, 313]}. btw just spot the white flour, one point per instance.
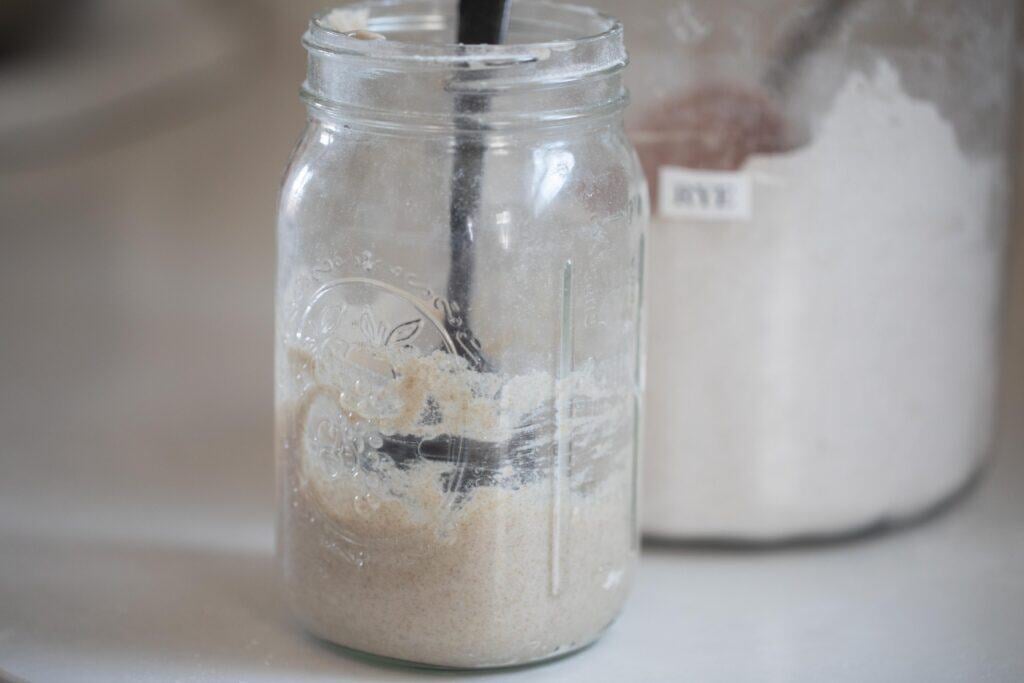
{"type": "Point", "coordinates": [389, 558]}
{"type": "Point", "coordinates": [830, 363]}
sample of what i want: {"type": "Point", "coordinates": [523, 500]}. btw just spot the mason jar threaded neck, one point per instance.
{"type": "Point", "coordinates": [395, 63]}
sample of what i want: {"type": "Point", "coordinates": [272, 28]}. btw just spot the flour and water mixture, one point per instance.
{"type": "Point", "coordinates": [432, 516]}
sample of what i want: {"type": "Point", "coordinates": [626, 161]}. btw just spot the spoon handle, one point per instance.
{"type": "Point", "coordinates": [483, 22]}
{"type": "Point", "coordinates": [802, 40]}
{"type": "Point", "coordinates": [480, 22]}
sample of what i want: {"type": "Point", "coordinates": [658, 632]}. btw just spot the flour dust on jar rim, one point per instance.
{"type": "Point", "coordinates": [458, 346]}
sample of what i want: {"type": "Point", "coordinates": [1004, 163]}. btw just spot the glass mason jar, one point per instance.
{"type": "Point", "coordinates": [830, 185]}
{"type": "Point", "coordinates": [458, 338]}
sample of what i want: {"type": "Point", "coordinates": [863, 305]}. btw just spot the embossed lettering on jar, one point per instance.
{"type": "Point", "coordinates": [458, 338]}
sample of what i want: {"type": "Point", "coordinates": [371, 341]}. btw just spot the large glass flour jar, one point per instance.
{"type": "Point", "coordinates": [830, 204]}
{"type": "Point", "coordinates": [458, 338]}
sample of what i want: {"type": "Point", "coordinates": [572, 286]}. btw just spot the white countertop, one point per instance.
{"type": "Point", "coordinates": [136, 539]}
{"type": "Point", "coordinates": [125, 593]}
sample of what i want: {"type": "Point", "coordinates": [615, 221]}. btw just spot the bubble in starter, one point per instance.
{"type": "Point", "coordinates": [366, 261]}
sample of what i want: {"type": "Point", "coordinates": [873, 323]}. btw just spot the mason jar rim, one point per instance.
{"type": "Point", "coordinates": [424, 15]}
{"type": "Point", "coordinates": [566, 68]}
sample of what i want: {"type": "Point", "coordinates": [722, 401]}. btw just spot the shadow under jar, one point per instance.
{"type": "Point", "coordinates": [458, 347]}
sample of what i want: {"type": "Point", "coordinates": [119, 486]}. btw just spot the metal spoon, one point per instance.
{"type": "Point", "coordinates": [480, 22]}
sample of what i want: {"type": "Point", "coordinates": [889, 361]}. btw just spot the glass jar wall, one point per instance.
{"type": "Point", "coordinates": [830, 201]}
{"type": "Point", "coordinates": [458, 338]}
